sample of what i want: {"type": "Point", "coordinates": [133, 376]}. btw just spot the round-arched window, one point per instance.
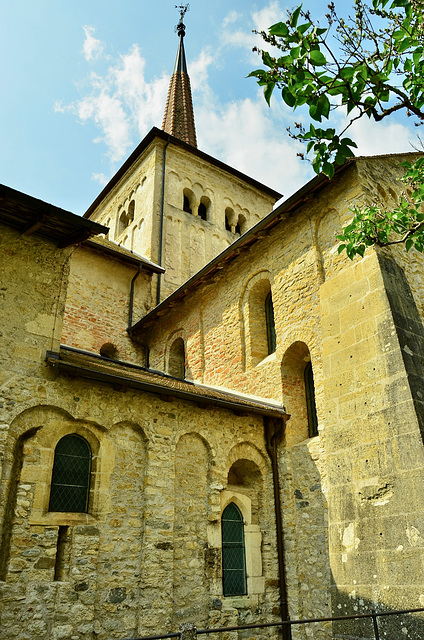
{"type": "Point", "coordinates": [233, 552]}
{"type": "Point", "coordinates": [71, 475]}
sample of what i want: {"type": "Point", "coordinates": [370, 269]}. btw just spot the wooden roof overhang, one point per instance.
{"type": "Point", "coordinates": [30, 216]}
{"type": "Point", "coordinates": [83, 364]}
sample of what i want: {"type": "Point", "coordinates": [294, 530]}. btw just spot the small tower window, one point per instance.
{"type": "Point", "coordinates": [204, 206]}
{"type": "Point", "coordinates": [186, 205]}
{"type": "Point", "coordinates": [233, 552]}
{"type": "Point", "coordinates": [230, 219]}
{"type": "Point", "coordinates": [310, 401]}
{"type": "Point", "coordinates": [270, 324]}
{"type": "Point", "coordinates": [201, 212]}
{"type": "Point", "coordinates": [187, 201]}
{"type": "Point", "coordinates": [71, 475]}
{"type": "Point", "coordinates": [131, 212]}
{"type": "Point", "coordinates": [241, 226]}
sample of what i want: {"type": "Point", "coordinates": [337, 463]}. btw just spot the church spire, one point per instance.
{"type": "Point", "coordinates": [178, 119]}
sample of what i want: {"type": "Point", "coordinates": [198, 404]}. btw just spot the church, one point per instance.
{"type": "Point", "coordinates": [208, 415]}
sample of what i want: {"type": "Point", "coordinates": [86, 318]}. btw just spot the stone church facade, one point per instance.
{"type": "Point", "coordinates": [207, 414]}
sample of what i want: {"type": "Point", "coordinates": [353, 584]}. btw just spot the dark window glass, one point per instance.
{"type": "Point", "coordinates": [270, 324]}
{"type": "Point", "coordinates": [202, 213]}
{"type": "Point", "coordinates": [233, 552]}
{"type": "Point", "coordinates": [310, 401]}
{"type": "Point", "coordinates": [186, 205]}
{"type": "Point", "coordinates": [237, 229]}
{"type": "Point", "coordinates": [227, 224]}
{"type": "Point", "coordinates": [71, 475]}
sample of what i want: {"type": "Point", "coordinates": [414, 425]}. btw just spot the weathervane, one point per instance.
{"type": "Point", "coordinates": [180, 28]}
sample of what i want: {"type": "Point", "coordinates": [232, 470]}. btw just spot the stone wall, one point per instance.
{"type": "Point", "coordinates": [147, 554]}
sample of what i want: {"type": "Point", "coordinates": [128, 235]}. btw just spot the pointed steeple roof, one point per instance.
{"type": "Point", "coordinates": [178, 119]}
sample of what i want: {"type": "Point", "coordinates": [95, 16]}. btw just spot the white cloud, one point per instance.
{"type": "Point", "coordinates": [248, 136]}
{"type": "Point", "coordinates": [199, 71]}
{"type": "Point", "coordinates": [268, 16]}
{"type": "Point", "coordinates": [374, 138]}
{"type": "Point", "coordinates": [243, 36]}
{"type": "Point", "coordinates": [230, 18]}
{"type": "Point", "coordinates": [121, 104]}
{"type": "Point", "coordinates": [101, 178]}
{"type": "Point", "coordinates": [92, 48]}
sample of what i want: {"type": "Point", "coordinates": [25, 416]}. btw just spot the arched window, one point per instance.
{"type": "Point", "coordinates": [71, 475]}
{"type": "Point", "coordinates": [241, 224]}
{"type": "Point", "coordinates": [310, 401]}
{"type": "Point", "coordinates": [176, 361]}
{"type": "Point", "coordinates": [188, 198]}
{"type": "Point", "coordinates": [233, 552]}
{"type": "Point", "coordinates": [131, 212]}
{"type": "Point", "coordinates": [201, 212]}
{"type": "Point", "coordinates": [229, 219]}
{"type": "Point", "coordinates": [270, 324]}
{"type": "Point", "coordinates": [204, 207]}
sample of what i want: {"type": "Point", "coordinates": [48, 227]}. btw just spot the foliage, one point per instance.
{"type": "Point", "coordinates": [369, 65]}
{"type": "Point", "coordinates": [403, 224]}
{"type": "Point", "coordinates": [364, 70]}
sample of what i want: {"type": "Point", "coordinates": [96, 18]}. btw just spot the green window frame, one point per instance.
{"type": "Point", "coordinates": [310, 401]}
{"type": "Point", "coordinates": [70, 486]}
{"type": "Point", "coordinates": [234, 581]}
{"type": "Point", "coordinates": [270, 324]}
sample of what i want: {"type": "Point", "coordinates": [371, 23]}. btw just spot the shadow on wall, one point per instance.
{"type": "Point", "coordinates": [395, 627]}
{"type": "Point", "coordinates": [410, 330]}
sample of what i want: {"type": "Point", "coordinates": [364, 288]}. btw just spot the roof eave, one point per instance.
{"type": "Point", "coordinates": [54, 360]}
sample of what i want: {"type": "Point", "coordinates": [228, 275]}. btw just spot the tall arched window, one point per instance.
{"type": "Point", "coordinates": [270, 324]}
{"type": "Point", "coordinates": [233, 552]}
{"type": "Point", "coordinates": [71, 475]}
{"type": "Point", "coordinates": [310, 401]}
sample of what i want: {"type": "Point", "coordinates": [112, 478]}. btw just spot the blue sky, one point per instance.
{"type": "Point", "coordinates": [84, 81]}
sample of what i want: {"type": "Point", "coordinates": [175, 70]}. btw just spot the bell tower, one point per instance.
{"type": "Point", "coordinates": [172, 203]}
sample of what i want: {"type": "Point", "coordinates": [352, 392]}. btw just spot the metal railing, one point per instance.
{"type": "Point", "coordinates": [188, 631]}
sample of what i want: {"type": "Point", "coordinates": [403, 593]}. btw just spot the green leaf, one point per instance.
{"type": "Point", "coordinates": [258, 73]}
{"type": "Point", "coordinates": [328, 169]}
{"type": "Point", "coordinates": [304, 27]}
{"type": "Point", "coordinates": [317, 58]}
{"type": "Point", "coordinates": [295, 16]}
{"type": "Point", "coordinates": [288, 97]}
{"type": "Point", "coordinates": [268, 89]}
{"type": "Point", "coordinates": [408, 65]}
{"type": "Point", "coordinates": [417, 55]}
{"type": "Point", "coordinates": [280, 29]}
{"type": "Point", "coordinates": [347, 72]}
{"type": "Point", "coordinates": [267, 60]}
